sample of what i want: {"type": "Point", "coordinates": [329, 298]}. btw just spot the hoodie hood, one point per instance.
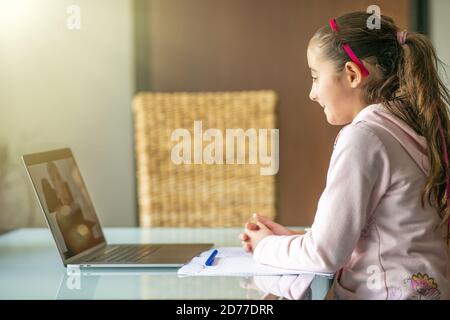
{"type": "Point", "coordinates": [415, 145]}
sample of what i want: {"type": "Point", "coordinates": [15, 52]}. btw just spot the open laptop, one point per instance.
{"type": "Point", "coordinates": [73, 222]}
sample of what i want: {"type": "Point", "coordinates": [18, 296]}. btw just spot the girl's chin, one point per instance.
{"type": "Point", "coordinates": [335, 122]}
{"type": "Point", "coordinates": [331, 120]}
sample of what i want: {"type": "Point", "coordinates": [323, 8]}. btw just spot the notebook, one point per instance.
{"type": "Point", "coordinates": [234, 261]}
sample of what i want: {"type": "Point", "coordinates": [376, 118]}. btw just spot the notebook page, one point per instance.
{"type": "Point", "coordinates": [233, 261]}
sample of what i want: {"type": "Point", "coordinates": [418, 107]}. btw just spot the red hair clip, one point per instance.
{"type": "Point", "coordinates": [349, 51]}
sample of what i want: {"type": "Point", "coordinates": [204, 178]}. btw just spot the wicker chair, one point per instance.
{"type": "Point", "coordinates": [199, 195]}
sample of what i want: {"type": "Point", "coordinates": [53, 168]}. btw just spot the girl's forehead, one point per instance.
{"type": "Point", "coordinates": [314, 55]}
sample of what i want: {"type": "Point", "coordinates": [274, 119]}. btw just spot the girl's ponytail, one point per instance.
{"type": "Point", "coordinates": [424, 101]}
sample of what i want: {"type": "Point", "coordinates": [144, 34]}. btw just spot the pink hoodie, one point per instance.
{"type": "Point", "coordinates": [370, 226]}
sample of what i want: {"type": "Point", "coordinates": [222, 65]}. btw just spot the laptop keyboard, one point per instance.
{"type": "Point", "coordinates": [125, 254]}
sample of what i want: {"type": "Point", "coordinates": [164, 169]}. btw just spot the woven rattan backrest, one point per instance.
{"type": "Point", "coordinates": [199, 195]}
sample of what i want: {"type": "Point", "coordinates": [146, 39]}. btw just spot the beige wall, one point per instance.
{"type": "Point", "coordinates": [67, 88]}
{"type": "Point", "coordinates": [439, 29]}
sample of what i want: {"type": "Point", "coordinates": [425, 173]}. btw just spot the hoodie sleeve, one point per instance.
{"type": "Point", "coordinates": [357, 178]}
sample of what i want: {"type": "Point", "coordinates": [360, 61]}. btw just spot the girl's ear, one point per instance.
{"type": "Point", "coordinates": [353, 74]}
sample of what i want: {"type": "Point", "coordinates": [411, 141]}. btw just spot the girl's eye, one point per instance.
{"type": "Point", "coordinates": [314, 79]}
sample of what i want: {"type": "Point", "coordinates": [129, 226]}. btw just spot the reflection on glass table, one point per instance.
{"type": "Point", "coordinates": [291, 287]}
{"type": "Point", "coordinates": [162, 284]}
{"type": "Point", "coordinates": [30, 268]}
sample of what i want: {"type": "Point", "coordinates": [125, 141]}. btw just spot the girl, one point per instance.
{"type": "Point", "coordinates": [381, 221]}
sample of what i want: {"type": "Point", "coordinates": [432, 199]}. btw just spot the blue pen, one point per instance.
{"type": "Point", "coordinates": [210, 259]}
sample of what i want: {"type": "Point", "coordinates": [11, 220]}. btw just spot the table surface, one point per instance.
{"type": "Point", "coordinates": [31, 268]}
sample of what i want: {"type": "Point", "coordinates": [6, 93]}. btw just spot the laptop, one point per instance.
{"type": "Point", "coordinates": [73, 222]}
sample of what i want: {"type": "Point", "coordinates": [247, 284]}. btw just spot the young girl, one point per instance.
{"type": "Point", "coordinates": [381, 221]}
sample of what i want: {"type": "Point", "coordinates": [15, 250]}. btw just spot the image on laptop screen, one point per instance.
{"type": "Point", "coordinates": [67, 205]}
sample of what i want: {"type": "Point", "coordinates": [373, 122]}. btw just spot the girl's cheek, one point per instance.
{"type": "Point", "coordinates": [321, 94]}
{"type": "Point", "coordinates": [328, 90]}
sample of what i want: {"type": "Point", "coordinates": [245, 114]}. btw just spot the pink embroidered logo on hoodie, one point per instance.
{"type": "Point", "coordinates": [424, 286]}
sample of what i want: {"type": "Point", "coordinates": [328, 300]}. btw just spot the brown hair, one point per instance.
{"type": "Point", "coordinates": [406, 81]}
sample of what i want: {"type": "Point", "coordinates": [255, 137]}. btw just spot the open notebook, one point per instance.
{"type": "Point", "coordinates": [234, 261]}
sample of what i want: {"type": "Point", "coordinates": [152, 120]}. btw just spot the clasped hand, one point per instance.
{"type": "Point", "coordinates": [262, 227]}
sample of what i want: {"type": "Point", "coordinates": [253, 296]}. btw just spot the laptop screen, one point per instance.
{"type": "Point", "coordinates": [65, 200]}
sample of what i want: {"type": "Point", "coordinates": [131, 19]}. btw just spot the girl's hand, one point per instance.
{"type": "Point", "coordinates": [275, 228]}
{"type": "Point", "coordinates": [256, 235]}
{"type": "Point", "coordinates": [245, 239]}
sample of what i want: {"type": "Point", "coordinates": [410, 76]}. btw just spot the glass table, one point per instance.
{"type": "Point", "coordinates": [31, 268]}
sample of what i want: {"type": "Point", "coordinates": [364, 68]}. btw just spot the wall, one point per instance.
{"type": "Point", "coordinates": [439, 27]}
{"type": "Point", "coordinates": [62, 87]}
{"type": "Point", "coordinates": [202, 45]}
